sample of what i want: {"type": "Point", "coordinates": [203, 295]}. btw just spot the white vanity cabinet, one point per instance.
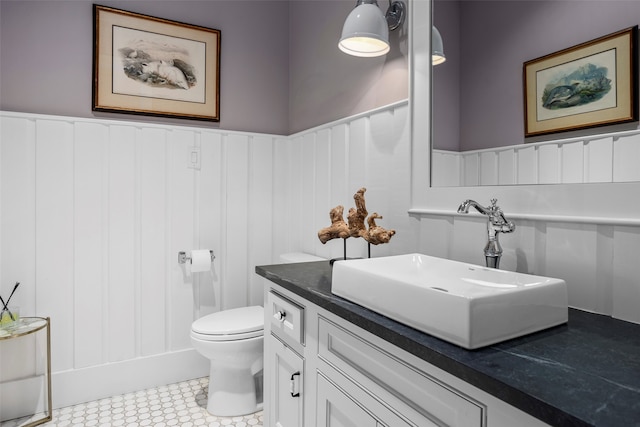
{"type": "Point", "coordinates": [350, 377]}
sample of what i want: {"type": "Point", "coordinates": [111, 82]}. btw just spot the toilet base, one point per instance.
{"type": "Point", "coordinates": [234, 392]}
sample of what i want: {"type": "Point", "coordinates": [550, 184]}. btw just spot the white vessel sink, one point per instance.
{"type": "Point", "coordinates": [468, 305]}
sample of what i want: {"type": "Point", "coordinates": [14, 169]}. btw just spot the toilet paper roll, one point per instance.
{"type": "Point", "coordinates": [200, 260]}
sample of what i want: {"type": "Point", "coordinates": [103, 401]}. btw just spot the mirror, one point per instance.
{"type": "Point", "coordinates": [477, 94]}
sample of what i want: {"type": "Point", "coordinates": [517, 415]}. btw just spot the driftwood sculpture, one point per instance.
{"type": "Point", "coordinates": [356, 227]}
{"type": "Point", "coordinates": [357, 215]}
{"type": "Point", "coordinates": [337, 229]}
{"type": "Point", "coordinates": [376, 234]}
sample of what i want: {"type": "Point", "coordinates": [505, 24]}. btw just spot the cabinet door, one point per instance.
{"type": "Point", "coordinates": [286, 386]}
{"type": "Point", "coordinates": [336, 409]}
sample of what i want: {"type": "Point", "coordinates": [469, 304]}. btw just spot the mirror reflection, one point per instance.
{"type": "Point", "coordinates": [478, 106]}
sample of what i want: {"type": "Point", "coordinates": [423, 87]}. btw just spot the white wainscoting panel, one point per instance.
{"type": "Point", "coordinates": [548, 164]}
{"type": "Point", "coordinates": [90, 241]}
{"type": "Point", "coordinates": [210, 215]}
{"type": "Point", "coordinates": [506, 168]}
{"type": "Point", "coordinates": [329, 164]}
{"type": "Point", "coordinates": [446, 169]}
{"type": "Point", "coordinates": [571, 254]}
{"type": "Point", "coordinates": [527, 165]}
{"type": "Point", "coordinates": [625, 282]}
{"type": "Point", "coordinates": [489, 168]}
{"type": "Point", "coordinates": [471, 169]}
{"type": "Point", "coordinates": [123, 231]}
{"type": "Point", "coordinates": [261, 213]}
{"type": "Point", "coordinates": [600, 158]}
{"type": "Point", "coordinates": [93, 214]}
{"type": "Point", "coordinates": [626, 156]}
{"type": "Point", "coordinates": [54, 231]}
{"type": "Point", "coordinates": [236, 261]}
{"type": "Point", "coordinates": [572, 171]}
{"type": "Point", "coordinates": [153, 208]}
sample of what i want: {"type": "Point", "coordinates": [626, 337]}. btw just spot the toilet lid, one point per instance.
{"type": "Point", "coordinates": [245, 320]}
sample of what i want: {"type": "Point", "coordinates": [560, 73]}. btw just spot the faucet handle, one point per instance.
{"type": "Point", "coordinates": [493, 202]}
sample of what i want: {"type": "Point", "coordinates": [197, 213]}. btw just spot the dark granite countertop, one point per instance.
{"type": "Point", "coordinates": [583, 373]}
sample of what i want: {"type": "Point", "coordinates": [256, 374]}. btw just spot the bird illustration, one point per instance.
{"type": "Point", "coordinates": [560, 93]}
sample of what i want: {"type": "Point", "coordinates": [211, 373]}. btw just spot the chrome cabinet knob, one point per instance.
{"type": "Point", "coordinates": [280, 315]}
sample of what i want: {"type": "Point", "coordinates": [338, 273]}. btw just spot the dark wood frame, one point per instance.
{"type": "Point", "coordinates": [151, 82]}
{"type": "Point", "coordinates": [623, 46]}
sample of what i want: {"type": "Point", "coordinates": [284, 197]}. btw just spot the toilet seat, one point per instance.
{"type": "Point", "coordinates": [230, 325]}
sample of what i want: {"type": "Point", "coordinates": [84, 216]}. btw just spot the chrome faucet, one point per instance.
{"type": "Point", "coordinates": [496, 223]}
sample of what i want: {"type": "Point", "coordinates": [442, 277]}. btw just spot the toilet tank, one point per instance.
{"type": "Point", "coordinates": [299, 257]}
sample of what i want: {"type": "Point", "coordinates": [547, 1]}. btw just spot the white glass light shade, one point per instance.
{"type": "Point", "coordinates": [437, 47]}
{"type": "Point", "coordinates": [365, 32]}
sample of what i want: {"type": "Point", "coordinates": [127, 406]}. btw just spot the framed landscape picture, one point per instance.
{"type": "Point", "coordinates": [592, 84]}
{"type": "Point", "coordinates": [153, 66]}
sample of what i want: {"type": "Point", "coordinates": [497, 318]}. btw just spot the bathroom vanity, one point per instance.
{"type": "Point", "coordinates": [329, 362]}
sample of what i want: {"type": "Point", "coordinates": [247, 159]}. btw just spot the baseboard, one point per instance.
{"type": "Point", "coordinates": [98, 382]}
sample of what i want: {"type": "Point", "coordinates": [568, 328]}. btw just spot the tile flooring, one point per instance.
{"type": "Point", "coordinates": [182, 404]}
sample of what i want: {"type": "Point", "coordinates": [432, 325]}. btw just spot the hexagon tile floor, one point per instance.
{"type": "Point", "coordinates": [182, 404]}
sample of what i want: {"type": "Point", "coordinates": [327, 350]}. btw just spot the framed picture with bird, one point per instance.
{"type": "Point", "coordinates": [154, 66]}
{"type": "Point", "coordinates": [588, 85]}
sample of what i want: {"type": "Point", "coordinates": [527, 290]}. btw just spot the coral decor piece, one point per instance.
{"type": "Point", "coordinates": [356, 227]}
{"type": "Point", "coordinates": [337, 229]}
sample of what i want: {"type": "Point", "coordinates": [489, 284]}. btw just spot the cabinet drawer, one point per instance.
{"type": "Point", "coordinates": [286, 318]}
{"type": "Point", "coordinates": [376, 369]}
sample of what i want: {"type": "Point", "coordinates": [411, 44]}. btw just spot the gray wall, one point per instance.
{"type": "Point", "coordinates": [446, 78]}
{"type": "Point", "coordinates": [281, 70]}
{"type": "Point", "coordinates": [496, 38]}
{"type": "Point", "coordinates": [47, 50]}
{"type": "Point", "coordinates": [326, 84]}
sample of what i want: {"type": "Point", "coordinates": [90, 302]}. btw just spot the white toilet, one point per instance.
{"type": "Point", "coordinates": [233, 341]}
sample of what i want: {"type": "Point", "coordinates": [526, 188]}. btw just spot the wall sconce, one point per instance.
{"type": "Point", "coordinates": [366, 29]}
{"type": "Point", "coordinates": [437, 47]}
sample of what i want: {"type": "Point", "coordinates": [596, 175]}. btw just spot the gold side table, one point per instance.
{"type": "Point", "coordinates": [27, 326]}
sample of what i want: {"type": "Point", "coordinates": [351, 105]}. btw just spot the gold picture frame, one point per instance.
{"type": "Point", "coordinates": [154, 66]}
{"type": "Point", "coordinates": [588, 85]}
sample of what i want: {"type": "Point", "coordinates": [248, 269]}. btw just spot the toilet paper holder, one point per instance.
{"type": "Point", "coordinates": [183, 258]}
